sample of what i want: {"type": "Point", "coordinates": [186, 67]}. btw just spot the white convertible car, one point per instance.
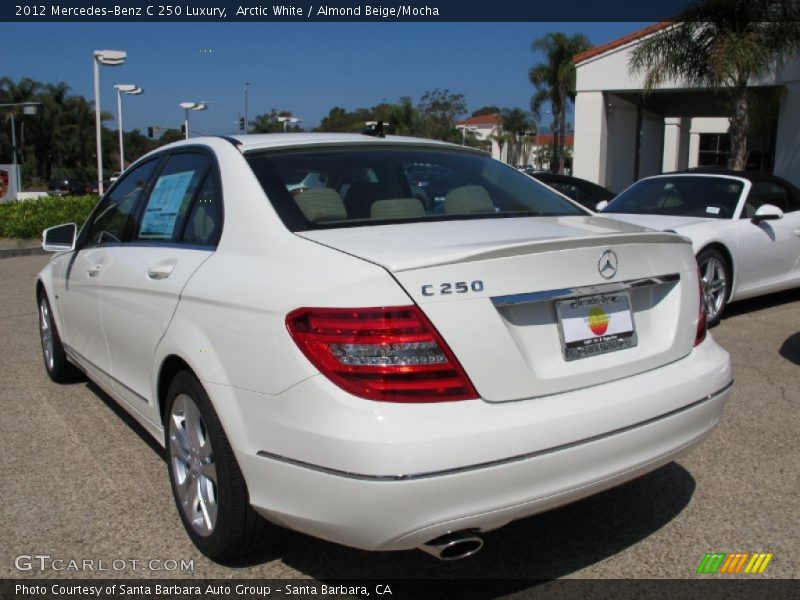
{"type": "Point", "coordinates": [369, 364]}
{"type": "Point", "coordinates": [744, 227]}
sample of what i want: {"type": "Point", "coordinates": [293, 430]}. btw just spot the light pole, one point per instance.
{"type": "Point", "coordinates": [246, 85]}
{"type": "Point", "coordinates": [131, 90]}
{"type": "Point", "coordinates": [464, 129]}
{"type": "Point", "coordinates": [111, 58]}
{"type": "Point", "coordinates": [28, 108]}
{"type": "Point", "coordinates": [287, 120]}
{"type": "Point", "coordinates": [187, 106]}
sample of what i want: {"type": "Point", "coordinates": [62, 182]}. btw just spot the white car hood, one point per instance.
{"type": "Point", "coordinates": [401, 247]}
{"type": "Point", "coordinates": [659, 222]}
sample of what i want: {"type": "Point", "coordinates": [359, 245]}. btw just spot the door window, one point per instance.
{"type": "Point", "coordinates": [170, 200]}
{"type": "Point", "coordinates": [115, 218]}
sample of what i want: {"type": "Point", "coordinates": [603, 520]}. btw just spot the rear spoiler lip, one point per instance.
{"type": "Point", "coordinates": [537, 247]}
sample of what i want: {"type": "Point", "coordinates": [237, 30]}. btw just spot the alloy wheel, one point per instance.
{"type": "Point", "coordinates": [193, 466]}
{"type": "Point", "coordinates": [46, 332]}
{"type": "Point", "coordinates": [715, 279]}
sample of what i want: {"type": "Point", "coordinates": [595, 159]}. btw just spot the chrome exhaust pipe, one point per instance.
{"type": "Point", "coordinates": [453, 546]}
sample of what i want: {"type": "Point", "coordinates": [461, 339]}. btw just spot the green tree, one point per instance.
{"type": "Point", "coordinates": [517, 124]}
{"type": "Point", "coordinates": [722, 44]}
{"type": "Point", "coordinates": [269, 123]}
{"type": "Point", "coordinates": [554, 80]}
{"type": "Point", "coordinates": [501, 138]}
{"type": "Point", "coordinates": [438, 112]}
{"type": "Point", "coordinates": [486, 110]}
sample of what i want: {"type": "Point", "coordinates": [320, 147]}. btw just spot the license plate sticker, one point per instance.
{"type": "Point", "coordinates": [595, 325]}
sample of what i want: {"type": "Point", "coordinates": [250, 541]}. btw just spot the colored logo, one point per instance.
{"type": "Point", "coordinates": [598, 320]}
{"type": "Point", "coordinates": [735, 563]}
{"type": "Point", "coordinates": [608, 264]}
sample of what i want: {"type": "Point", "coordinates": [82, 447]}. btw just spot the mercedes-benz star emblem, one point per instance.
{"type": "Point", "coordinates": [607, 265]}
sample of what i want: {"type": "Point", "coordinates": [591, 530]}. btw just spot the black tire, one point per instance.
{"type": "Point", "coordinates": [58, 368]}
{"type": "Point", "coordinates": [716, 275]}
{"type": "Point", "coordinates": [237, 530]}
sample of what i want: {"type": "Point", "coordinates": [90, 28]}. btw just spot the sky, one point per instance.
{"type": "Point", "coordinates": [306, 68]}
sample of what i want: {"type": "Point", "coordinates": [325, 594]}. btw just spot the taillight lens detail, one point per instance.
{"type": "Point", "coordinates": [389, 354]}
{"type": "Point", "coordinates": [702, 323]}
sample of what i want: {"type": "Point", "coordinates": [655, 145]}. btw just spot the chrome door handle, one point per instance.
{"type": "Point", "coordinates": [797, 232]}
{"type": "Point", "coordinates": [160, 271]}
{"type": "Point", "coordinates": [93, 270]}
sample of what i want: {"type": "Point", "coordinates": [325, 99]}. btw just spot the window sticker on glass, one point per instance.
{"type": "Point", "coordinates": [164, 207]}
{"type": "Point", "coordinates": [712, 210]}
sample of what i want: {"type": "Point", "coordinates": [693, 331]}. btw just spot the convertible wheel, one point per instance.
{"type": "Point", "coordinates": [209, 489]}
{"type": "Point", "coordinates": [59, 369]}
{"type": "Point", "coordinates": [716, 283]}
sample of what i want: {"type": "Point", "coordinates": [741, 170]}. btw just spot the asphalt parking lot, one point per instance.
{"type": "Point", "coordinates": [81, 481]}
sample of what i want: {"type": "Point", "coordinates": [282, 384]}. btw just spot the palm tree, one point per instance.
{"type": "Point", "coordinates": [517, 124]}
{"type": "Point", "coordinates": [722, 44]}
{"type": "Point", "coordinates": [555, 81]}
{"type": "Point", "coordinates": [502, 138]}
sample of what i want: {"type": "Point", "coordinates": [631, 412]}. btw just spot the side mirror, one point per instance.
{"type": "Point", "coordinates": [601, 205]}
{"type": "Point", "coordinates": [767, 212]}
{"type": "Point", "coordinates": [60, 238]}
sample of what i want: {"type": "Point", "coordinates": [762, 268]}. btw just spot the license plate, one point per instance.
{"type": "Point", "coordinates": [594, 325]}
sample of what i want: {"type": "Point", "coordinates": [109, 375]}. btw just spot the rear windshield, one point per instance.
{"type": "Point", "coordinates": [341, 187]}
{"type": "Point", "coordinates": [686, 196]}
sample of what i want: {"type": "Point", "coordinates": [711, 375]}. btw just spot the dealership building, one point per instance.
{"type": "Point", "coordinates": [622, 135]}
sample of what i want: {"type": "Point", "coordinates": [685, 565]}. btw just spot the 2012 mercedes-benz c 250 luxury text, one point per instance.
{"type": "Point", "coordinates": [389, 343]}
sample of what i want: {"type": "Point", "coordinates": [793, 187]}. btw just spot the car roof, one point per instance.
{"type": "Point", "coordinates": [265, 141]}
{"type": "Point", "coordinates": [751, 176]}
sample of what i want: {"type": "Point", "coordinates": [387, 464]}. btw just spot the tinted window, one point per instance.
{"type": "Point", "coordinates": [359, 186]}
{"type": "Point", "coordinates": [689, 196]}
{"type": "Point", "coordinates": [205, 219]}
{"type": "Point", "coordinates": [115, 218]}
{"type": "Point", "coordinates": [171, 197]}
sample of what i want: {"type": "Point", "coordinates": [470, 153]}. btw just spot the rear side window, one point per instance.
{"type": "Point", "coordinates": [170, 201]}
{"type": "Point", "coordinates": [766, 192]}
{"type": "Point", "coordinates": [204, 223]}
{"type": "Point", "coordinates": [115, 218]}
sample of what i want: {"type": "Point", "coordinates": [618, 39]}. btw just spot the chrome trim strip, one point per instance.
{"type": "Point", "coordinates": [488, 464]}
{"type": "Point", "coordinates": [77, 357]}
{"type": "Point", "coordinates": [588, 290]}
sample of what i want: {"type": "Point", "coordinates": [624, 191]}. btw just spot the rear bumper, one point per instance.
{"type": "Point", "coordinates": [381, 495]}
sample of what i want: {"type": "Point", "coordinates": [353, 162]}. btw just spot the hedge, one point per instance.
{"type": "Point", "coordinates": [27, 218]}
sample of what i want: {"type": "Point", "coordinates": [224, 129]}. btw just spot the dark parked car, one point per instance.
{"type": "Point", "coordinates": [66, 186]}
{"type": "Point", "coordinates": [584, 192]}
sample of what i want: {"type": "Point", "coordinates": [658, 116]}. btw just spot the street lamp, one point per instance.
{"type": "Point", "coordinates": [187, 106]}
{"type": "Point", "coordinates": [131, 90]}
{"type": "Point", "coordinates": [246, 85]}
{"type": "Point", "coordinates": [110, 58]}
{"type": "Point", "coordinates": [28, 108]}
{"type": "Point", "coordinates": [287, 120]}
{"type": "Point", "coordinates": [464, 129]}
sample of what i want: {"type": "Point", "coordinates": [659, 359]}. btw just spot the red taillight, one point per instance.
{"type": "Point", "coordinates": [389, 354]}
{"type": "Point", "coordinates": [702, 323]}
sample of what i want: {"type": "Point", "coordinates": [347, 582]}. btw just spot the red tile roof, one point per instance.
{"type": "Point", "coordinates": [545, 139]}
{"type": "Point", "coordinates": [482, 120]}
{"type": "Point", "coordinates": [625, 39]}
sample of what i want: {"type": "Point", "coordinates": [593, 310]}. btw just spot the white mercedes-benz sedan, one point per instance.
{"type": "Point", "coordinates": [744, 227]}
{"type": "Point", "coordinates": [323, 345]}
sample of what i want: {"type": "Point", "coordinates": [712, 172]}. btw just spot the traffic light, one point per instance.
{"type": "Point", "coordinates": [183, 129]}
{"type": "Point", "coordinates": [150, 133]}
{"type": "Point", "coordinates": [241, 123]}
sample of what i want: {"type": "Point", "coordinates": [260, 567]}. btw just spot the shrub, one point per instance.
{"type": "Point", "coordinates": [27, 218]}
